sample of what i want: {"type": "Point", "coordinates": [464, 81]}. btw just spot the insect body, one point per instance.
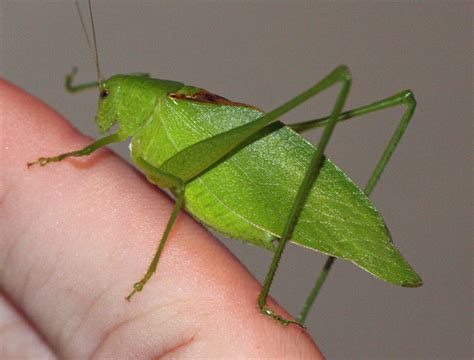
{"type": "Point", "coordinates": [248, 195]}
{"type": "Point", "coordinates": [242, 178]}
{"type": "Point", "coordinates": [243, 173]}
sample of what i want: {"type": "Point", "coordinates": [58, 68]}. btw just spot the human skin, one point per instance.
{"type": "Point", "coordinates": [76, 235]}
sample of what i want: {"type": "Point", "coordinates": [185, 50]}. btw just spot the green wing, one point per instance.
{"type": "Point", "coordinates": [248, 195]}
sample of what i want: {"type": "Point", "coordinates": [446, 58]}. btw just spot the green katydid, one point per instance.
{"type": "Point", "coordinates": [245, 174]}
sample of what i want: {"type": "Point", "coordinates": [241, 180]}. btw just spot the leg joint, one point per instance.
{"type": "Point", "coordinates": [409, 98]}
{"type": "Point", "coordinates": [344, 72]}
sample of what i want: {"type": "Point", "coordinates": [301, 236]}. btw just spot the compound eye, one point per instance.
{"type": "Point", "coordinates": [104, 93]}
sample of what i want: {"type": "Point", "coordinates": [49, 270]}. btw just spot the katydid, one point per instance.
{"type": "Point", "coordinates": [245, 174]}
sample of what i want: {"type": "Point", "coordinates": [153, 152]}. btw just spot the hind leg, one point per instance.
{"type": "Point", "coordinates": [405, 98]}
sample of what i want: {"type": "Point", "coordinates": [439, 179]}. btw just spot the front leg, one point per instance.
{"type": "Point", "coordinates": [116, 137]}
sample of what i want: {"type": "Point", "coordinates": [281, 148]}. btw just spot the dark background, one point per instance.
{"type": "Point", "coordinates": [264, 53]}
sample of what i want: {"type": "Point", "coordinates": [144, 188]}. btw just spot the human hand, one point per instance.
{"type": "Point", "coordinates": [77, 234]}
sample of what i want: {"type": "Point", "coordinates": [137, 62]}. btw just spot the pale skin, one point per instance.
{"type": "Point", "coordinates": [76, 234]}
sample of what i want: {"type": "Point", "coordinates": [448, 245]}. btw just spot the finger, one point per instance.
{"type": "Point", "coordinates": [17, 339]}
{"type": "Point", "coordinates": [80, 232]}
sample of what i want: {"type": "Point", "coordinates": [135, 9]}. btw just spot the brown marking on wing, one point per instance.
{"type": "Point", "coordinates": [205, 96]}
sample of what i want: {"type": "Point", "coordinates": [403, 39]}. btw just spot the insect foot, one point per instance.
{"type": "Point", "coordinates": [41, 162]}
{"type": "Point", "coordinates": [273, 315]}
{"type": "Point", "coordinates": [137, 287]}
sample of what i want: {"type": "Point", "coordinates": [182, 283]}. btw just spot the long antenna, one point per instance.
{"type": "Point", "coordinates": [93, 49]}
{"type": "Point", "coordinates": [100, 78]}
{"type": "Point", "coordinates": [83, 24]}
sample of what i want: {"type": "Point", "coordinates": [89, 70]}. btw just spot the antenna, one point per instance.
{"type": "Point", "coordinates": [93, 49]}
